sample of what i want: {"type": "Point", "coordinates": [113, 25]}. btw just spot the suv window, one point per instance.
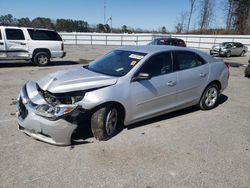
{"type": "Point", "coordinates": [186, 60]}
{"type": "Point", "coordinates": [0, 35]}
{"type": "Point", "coordinates": [14, 34]}
{"type": "Point", "coordinates": [158, 64]}
{"type": "Point", "coordinates": [44, 35]}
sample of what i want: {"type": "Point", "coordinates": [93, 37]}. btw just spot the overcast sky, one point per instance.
{"type": "Point", "coordinates": [145, 14]}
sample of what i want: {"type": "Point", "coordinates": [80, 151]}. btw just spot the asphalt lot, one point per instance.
{"type": "Point", "coordinates": [187, 148]}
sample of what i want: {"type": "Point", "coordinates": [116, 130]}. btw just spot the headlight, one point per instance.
{"type": "Point", "coordinates": [53, 112]}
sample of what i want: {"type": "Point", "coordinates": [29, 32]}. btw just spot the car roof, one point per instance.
{"type": "Point", "coordinates": [16, 27]}
{"type": "Point", "coordinates": [153, 49]}
{"type": "Point", "coordinates": [167, 38]}
{"type": "Point", "coordinates": [148, 49]}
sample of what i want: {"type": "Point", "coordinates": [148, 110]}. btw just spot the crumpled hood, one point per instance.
{"type": "Point", "coordinates": [216, 46]}
{"type": "Point", "coordinates": [74, 80]}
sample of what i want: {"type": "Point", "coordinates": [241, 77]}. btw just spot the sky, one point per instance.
{"type": "Point", "coordinates": [145, 14]}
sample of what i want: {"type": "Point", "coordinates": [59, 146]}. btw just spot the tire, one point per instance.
{"type": "Point", "coordinates": [209, 99]}
{"type": "Point", "coordinates": [247, 71]}
{"type": "Point", "coordinates": [228, 54]}
{"type": "Point", "coordinates": [105, 122]}
{"type": "Point", "coordinates": [41, 59]}
{"type": "Point", "coordinates": [243, 53]}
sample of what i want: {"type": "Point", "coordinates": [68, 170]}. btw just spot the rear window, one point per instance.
{"type": "Point", "coordinates": [44, 35]}
{"type": "Point", "coordinates": [186, 60]}
{"type": "Point", "coordinates": [0, 35]}
{"type": "Point", "coordinates": [14, 34]}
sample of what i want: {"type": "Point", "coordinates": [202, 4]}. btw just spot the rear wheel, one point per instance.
{"type": "Point", "coordinates": [209, 98]}
{"type": "Point", "coordinates": [41, 59]}
{"type": "Point", "coordinates": [105, 122]}
{"type": "Point", "coordinates": [243, 53]}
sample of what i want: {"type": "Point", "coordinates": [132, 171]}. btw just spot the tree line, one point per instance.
{"type": "Point", "coordinates": [236, 19]}
{"type": "Point", "coordinates": [65, 25]}
{"type": "Point", "coordinates": [236, 16]}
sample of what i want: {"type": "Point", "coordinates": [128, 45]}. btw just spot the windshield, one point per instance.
{"type": "Point", "coordinates": [226, 44]}
{"type": "Point", "coordinates": [116, 63]}
{"type": "Point", "coordinates": [153, 42]}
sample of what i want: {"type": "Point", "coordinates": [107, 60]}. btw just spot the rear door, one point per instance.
{"type": "Point", "coordinates": [192, 75]}
{"type": "Point", "coordinates": [239, 48]}
{"type": "Point", "coordinates": [2, 46]}
{"type": "Point", "coordinates": [16, 44]}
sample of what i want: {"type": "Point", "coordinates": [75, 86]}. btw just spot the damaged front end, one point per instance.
{"type": "Point", "coordinates": [48, 117]}
{"type": "Point", "coordinates": [59, 105]}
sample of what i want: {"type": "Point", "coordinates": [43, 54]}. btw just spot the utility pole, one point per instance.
{"type": "Point", "coordinates": [104, 13]}
{"type": "Point", "coordinates": [111, 20]}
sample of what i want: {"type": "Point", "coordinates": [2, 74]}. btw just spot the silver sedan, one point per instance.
{"type": "Point", "coordinates": [229, 49]}
{"type": "Point", "coordinates": [127, 85]}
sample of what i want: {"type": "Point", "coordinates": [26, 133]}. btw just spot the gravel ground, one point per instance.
{"type": "Point", "coordinates": [187, 148]}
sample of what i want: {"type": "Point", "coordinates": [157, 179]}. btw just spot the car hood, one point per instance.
{"type": "Point", "coordinates": [74, 80]}
{"type": "Point", "coordinates": [216, 46]}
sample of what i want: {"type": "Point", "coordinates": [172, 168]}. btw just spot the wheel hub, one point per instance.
{"type": "Point", "coordinates": [211, 97]}
{"type": "Point", "coordinates": [42, 59]}
{"type": "Point", "coordinates": [111, 122]}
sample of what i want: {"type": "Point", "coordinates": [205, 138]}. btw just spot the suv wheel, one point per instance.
{"type": "Point", "coordinates": [41, 58]}
{"type": "Point", "coordinates": [105, 122]}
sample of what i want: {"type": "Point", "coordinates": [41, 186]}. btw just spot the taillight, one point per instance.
{"type": "Point", "coordinates": [62, 46]}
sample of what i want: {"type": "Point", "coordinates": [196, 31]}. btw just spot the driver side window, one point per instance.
{"type": "Point", "coordinates": [158, 64]}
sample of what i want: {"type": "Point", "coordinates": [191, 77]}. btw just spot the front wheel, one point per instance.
{"type": "Point", "coordinates": [105, 122]}
{"type": "Point", "coordinates": [228, 54]}
{"type": "Point", "coordinates": [209, 98]}
{"type": "Point", "coordinates": [41, 59]}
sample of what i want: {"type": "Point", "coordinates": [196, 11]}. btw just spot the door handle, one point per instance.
{"type": "Point", "coordinates": [202, 74]}
{"type": "Point", "coordinates": [1, 43]}
{"type": "Point", "coordinates": [171, 83]}
{"type": "Point", "coordinates": [23, 43]}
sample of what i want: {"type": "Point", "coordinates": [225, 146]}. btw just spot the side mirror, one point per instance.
{"type": "Point", "coordinates": [141, 76]}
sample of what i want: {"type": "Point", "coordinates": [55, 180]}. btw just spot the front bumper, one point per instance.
{"type": "Point", "coordinates": [56, 132]}
{"type": "Point", "coordinates": [217, 52]}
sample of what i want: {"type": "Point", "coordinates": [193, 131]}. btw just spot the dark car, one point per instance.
{"type": "Point", "coordinates": [168, 41]}
{"type": "Point", "coordinates": [229, 48]}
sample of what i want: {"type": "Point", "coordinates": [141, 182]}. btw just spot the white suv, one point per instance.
{"type": "Point", "coordinates": [38, 45]}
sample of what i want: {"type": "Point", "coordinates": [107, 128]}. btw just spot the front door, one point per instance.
{"type": "Point", "coordinates": [150, 97]}
{"type": "Point", "coordinates": [16, 44]}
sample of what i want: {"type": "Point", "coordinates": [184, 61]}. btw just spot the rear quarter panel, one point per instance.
{"type": "Point", "coordinates": [53, 46]}
{"type": "Point", "coordinates": [217, 70]}
{"type": "Point", "coordinates": [220, 72]}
